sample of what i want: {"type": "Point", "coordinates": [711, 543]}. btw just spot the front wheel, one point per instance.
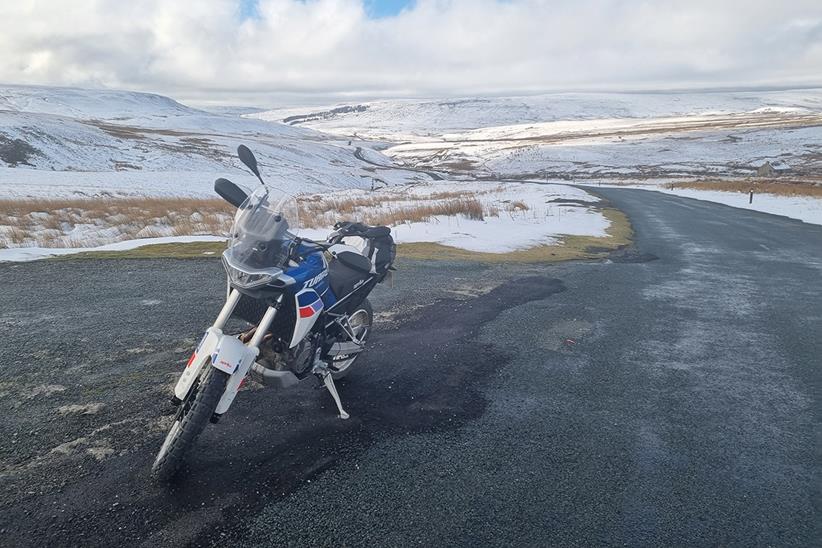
{"type": "Point", "coordinates": [192, 416]}
{"type": "Point", "coordinates": [360, 321]}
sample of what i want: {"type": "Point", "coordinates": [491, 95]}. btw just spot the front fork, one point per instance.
{"type": "Point", "coordinates": [230, 355]}
{"type": "Point", "coordinates": [226, 353]}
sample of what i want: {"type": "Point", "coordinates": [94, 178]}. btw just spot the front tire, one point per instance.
{"type": "Point", "coordinates": [191, 418]}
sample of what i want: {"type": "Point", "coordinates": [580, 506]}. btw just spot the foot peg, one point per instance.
{"type": "Point", "coordinates": [328, 380]}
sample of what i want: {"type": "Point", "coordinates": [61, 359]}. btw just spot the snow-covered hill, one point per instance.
{"type": "Point", "coordinates": [574, 136]}
{"type": "Point", "coordinates": [65, 141]}
{"type": "Point", "coordinates": [87, 103]}
{"type": "Point", "coordinates": [399, 120]}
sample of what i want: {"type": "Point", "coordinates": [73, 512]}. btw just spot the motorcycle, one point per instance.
{"type": "Point", "coordinates": [307, 300]}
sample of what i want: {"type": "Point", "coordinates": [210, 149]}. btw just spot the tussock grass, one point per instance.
{"type": "Point", "coordinates": [570, 248]}
{"type": "Point", "coordinates": [53, 222]}
{"type": "Point", "coordinates": [516, 205]}
{"type": "Point", "coordinates": [314, 209]}
{"type": "Point", "coordinates": [15, 235]}
{"type": "Point", "coordinates": [393, 208]}
{"type": "Point", "coordinates": [452, 194]}
{"type": "Point", "coordinates": [155, 206]}
{"type": "Point", "coordinates": [776, 187]}
{"type": "Point", "coordinates": [470, 208]}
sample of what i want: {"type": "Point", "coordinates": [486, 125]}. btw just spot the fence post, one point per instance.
{"type": "Point", "coordinates": [750, 197]}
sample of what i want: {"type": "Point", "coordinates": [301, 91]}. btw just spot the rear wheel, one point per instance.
{"type": "Point", "coordinates": [360, 321]}
{"type": "Point", "coordinates": [191, 417]}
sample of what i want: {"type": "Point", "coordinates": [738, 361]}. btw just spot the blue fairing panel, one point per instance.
{"type": "Point", "coordinates": [313, 272]}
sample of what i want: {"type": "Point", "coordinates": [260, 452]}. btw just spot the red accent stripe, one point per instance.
{"type": "Point", "coordinates": [191, 359]}
{"type": "Point", "coordinates": [306, 312]}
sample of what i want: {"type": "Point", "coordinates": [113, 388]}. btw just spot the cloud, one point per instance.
{"type": "Point", "coordinates": [212, 49]}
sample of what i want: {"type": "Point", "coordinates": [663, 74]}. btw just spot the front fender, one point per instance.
{"type": "Point", "coordinates": [198, 359]}
{"type": "Point", "coordinates": [234, 358]}
{"type": "Point", "coordinates": [228, 354]}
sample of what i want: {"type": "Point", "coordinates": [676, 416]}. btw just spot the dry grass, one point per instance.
{"type": "Point", "coordinates": [142, 206]}
{"type": "Point", "coordinates": [570, 248]}
{"type": "Point", "coordinates": [516, 205]}
{"type": "Point", "coordinates": [470, 208]}
{"type": "Point", "coordinates": [776, 187]}
{"type": "Point", "coordinates": [452, 194]}
{"type": "Point", "coordinates": [15, 235]}
{"type": "Point", "coordinates": [313, 208]}
{"type": "Point", "coordinates": [50, 222]}
{"type": "Point", "coordinates": [393, 208]}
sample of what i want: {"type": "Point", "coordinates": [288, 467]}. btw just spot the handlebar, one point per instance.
{"type": "Point", "coordinates": [297, 241]}
{"type": "Point", "coordinates": [347, 228]}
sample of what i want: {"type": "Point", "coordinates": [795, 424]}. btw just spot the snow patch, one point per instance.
{"type": "Point", "coordinates": [23, 254]}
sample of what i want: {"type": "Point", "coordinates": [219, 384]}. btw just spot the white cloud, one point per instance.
{"type": "Point", "coordinates": [202, 48]}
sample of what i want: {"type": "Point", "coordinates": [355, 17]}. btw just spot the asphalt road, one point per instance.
{"type": "Point", "coordinates": [669, 396]}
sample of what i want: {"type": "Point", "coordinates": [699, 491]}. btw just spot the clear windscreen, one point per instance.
{"type": "Point", "coordinates": [264, 228]}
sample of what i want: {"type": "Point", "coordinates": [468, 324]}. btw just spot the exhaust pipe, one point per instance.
{"type": "Point", "coordinates": [344, 348]}
{"type": "Point", "coordinates": [271, 377]}
{"type": "Point", "coordinates": [286, 378]}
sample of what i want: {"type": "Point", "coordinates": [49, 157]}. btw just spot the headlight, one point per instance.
{"type": "Point", "coordinates": [247, 280]}
{"type": "Point", "coordinates": [243, 279]}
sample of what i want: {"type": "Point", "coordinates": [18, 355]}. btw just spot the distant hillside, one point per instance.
{"type": "Point", "coordinates": [589, 136]}
{"type": "Point", "coordinates": [125, 142]}
{"type": "Point", "coordinates": [86, 103]}
{"type": "Point", "coordinates": [402, 119]}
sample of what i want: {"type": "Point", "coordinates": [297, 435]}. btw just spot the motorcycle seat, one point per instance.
{"type": "Point", "coordinates": [355, 261]}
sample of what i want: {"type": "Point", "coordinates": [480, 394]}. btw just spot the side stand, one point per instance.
{"type": "Point", "coordinates": [328, 380]}
{"type": "Point", "coordinates": [321, 370]}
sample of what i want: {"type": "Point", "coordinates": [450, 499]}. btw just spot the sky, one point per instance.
{"type": "Point", "coordinates": [375, 9]}
{"type": "Point", "coordinates": [261, 51]}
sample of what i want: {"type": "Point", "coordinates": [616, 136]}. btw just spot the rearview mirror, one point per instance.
{"type": "Point", "coordinates": [247, 157]}
{"type": "Point", "coordinates": [230, 192]}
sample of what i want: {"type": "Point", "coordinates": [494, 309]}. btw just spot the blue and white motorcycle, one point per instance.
{"type": "Point", "coordinates": [306, 299]}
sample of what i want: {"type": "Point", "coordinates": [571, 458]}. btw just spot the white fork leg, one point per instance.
{"type": "Point", "coordinates": [329, 383]}
{"type": "Point", "coordinates": [251, 352]}
{"type": "Point", "coordinates": [264, 324]}
{"type": "Point", "coordinates": [228, 308]}
{"type": "Point", "coordinates": [206, 347]}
